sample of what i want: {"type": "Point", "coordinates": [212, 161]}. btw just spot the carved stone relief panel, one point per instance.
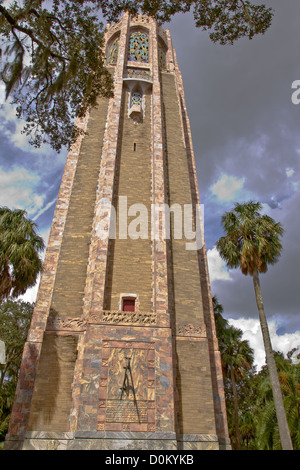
{"type": "Point", "coordinates": [127, 387]}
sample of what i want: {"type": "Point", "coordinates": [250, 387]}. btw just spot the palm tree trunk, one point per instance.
{"type": "Point", "coordinates": [284, 432]}
{"type": "Point", "coordinates": [236, 411]}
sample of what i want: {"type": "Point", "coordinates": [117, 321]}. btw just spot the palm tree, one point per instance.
{"type": "Point", "coordinates": [252, 242]}
{"type": "Point", "coordinates": [220, 321]}
{"type": "Point", "coordinates": [237, 358]}
{"type": "Point", "coordinates": [267, 426]}
{"type": "Point", "coordinates": [20, 246]}
{"type": "Point", "coordinates": [15, 318]}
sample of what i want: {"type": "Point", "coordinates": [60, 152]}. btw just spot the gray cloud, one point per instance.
{"type": "Point", "coordinates": [280, 285]}
{"type": "Point", "coordinates": [245, 125]}
{"type": "Point", "coordinates": [241, 95]}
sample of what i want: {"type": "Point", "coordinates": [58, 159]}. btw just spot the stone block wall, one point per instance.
{"type": "Point", "coordinates": [130, 268]}
{"type": "Point", "coordinates": [68, 292]}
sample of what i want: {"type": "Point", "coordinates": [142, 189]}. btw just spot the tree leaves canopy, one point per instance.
{"type": "Point", "coordinates": [257, 421]}
{"type": "Point", "coordinates": [267, 432]}
{"type": "Point", "coordinates": [228, 20]}
{"type": "Point", "coordinates": [54, 64]}
{"type": "Point", "coordinates": [252, 240]}
{"type": "Point", "coordinates": [15, 317]}
{"type": "Point", "coordinates": [20, 247]}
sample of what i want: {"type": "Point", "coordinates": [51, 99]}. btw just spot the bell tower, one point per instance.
{"type": "Point", "coordinates": [122, 351]}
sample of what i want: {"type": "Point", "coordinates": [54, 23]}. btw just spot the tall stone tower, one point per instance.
{"type": "Point", "coordinates": [122, 350]}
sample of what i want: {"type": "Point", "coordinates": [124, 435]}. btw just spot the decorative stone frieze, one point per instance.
{"type": "Point", "coordinates": [191, 330]}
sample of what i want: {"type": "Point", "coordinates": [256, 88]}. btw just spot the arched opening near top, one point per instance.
{"type": "Point", "coordinates": [138, 48]}
{"type": "Point", "coordinates": [136, 104]}
{"type": "Point", "coordinates": [162, 55]}
{"type": "Point", "coordinates": [113, 50]}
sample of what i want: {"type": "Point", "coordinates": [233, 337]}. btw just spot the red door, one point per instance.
{"type": "Point", "coordinates": [128, 305]}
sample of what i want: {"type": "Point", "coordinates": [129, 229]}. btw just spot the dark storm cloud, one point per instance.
{"type": "Point", "coordinates": [245, 125]}
{"type": "Point", "coordinates": [280, 285]}
{"type": "Point", "coordinates": [239, 96]}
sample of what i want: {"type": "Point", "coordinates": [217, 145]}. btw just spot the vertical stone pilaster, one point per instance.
{"type": "Point", "coordinates": [159, 243]}
{"type": "Point", "coordinates": [159, 246]}
{"type": "Point", "coordinates": [22, 404]}
{"type": "Point", "coordinates": [96, 272]}
{"type": "Point", "coordinates": [99, 247]}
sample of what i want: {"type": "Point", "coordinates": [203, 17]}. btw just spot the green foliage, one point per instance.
{"type": "Point", "coordinates": [251, 243]}
{"type": "Point", "coordinates": [228, 20]}
{"type": "Point", "coordinates": [237, 360]}
{"type": "Point", "coordinates": [267, 426]}
{"type": "Point", "coordinates": [257, 420]}
{"type": "Point", "coordinates": [20, 246]}
{"type": "Point", "coordinates": [54, 64]}
{"type": "Point", "coordinates": [252, 240]}
{"type": "Point", "coordinates": [15, 317]}
{"type": "Point", "coordinates": [232, 19]}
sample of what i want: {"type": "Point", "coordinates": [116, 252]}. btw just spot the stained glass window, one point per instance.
{"type": "Point", "coordinates": [136, 98]}
{"type": "Point", "coordinates": [113, 52]}
{"type": "Point", "coordinates": [138, 47]}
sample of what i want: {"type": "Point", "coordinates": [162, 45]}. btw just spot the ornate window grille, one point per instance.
{"type": "Point", "coordinates": [138, 47]}
{"type": "Point", "coordinates": [136, 98]}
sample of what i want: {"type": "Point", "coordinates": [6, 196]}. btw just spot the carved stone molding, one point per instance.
{"type": "Point", "coordinates": [140, 19]}
{"type": "Point", "coordinates": [138, 73]}
{"type": "Point", "coordinates": [126, 318]}
{"type": "Point", "coordinates": [66, 324]}
{"type": "Point", "coordinates": [56, 323]}
{"type": "Point", "coordinates": [187, 329]}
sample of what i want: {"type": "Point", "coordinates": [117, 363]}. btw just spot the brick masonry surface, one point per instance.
{"type": "Point", "coordinates": [92, 376]}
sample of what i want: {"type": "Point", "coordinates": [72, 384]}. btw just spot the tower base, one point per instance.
{"type": "Point", "coordinates": [116, 441]}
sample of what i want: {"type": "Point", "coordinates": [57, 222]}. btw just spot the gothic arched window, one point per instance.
{"type": "Point", "coordinates": [113, 51]}
{"type": "Point", "coordinates": [138, 47]}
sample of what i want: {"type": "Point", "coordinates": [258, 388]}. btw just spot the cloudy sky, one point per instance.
{"type": "Point", "coordinates": [246, 136]}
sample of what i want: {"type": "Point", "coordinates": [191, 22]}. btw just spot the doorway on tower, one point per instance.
{"type": "Point", "coordinates": [129, 303]}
